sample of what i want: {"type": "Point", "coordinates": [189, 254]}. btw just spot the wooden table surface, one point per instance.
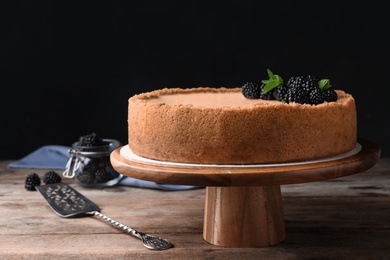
{"type": "Point", "coordinates": [344, 218]}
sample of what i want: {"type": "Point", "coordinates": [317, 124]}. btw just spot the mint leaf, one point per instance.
{"type": "Point", "coordinates": [272, 82]}
{"type": "Point", "coordinates": [270, 74]}
{"type": "Point", "coordinates": [324, 84]}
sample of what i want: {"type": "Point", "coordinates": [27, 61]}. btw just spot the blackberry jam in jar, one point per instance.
{"type": "Point", "coordinates": [89, 162]}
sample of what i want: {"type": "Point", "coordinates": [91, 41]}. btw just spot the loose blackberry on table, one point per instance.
{"type": "Point", "coordinates": [51, 177]}
{"type": "Point", "coordinates": [32, 180]}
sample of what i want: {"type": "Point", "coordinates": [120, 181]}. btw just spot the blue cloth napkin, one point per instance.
{"type": "Point", "coordinates": [56, 157]}
{"type": "Point", "coordinates": [46, 157]}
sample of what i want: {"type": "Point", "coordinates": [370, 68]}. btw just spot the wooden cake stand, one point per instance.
{"type": "Point", "coordinates": [243, 205]}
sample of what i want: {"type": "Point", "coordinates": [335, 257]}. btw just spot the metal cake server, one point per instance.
{"type": "Point", "coordinates": [68, 202]}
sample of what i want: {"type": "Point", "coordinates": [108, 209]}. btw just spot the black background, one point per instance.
{"type": "Point", "coordinates": [68, 69]}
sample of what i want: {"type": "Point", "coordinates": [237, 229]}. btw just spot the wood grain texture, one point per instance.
{"type": "Point", "coordinates": [252, 176]}
{"type": "Point", "coordinates": [244, 216]}
{"type": "Point", "coordinates": [343, 218]}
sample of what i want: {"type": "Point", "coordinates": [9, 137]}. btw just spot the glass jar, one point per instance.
{"type": "Point", "coordinates": [90, 166]}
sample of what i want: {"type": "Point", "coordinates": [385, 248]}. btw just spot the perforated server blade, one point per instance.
{"type": "Point", "coordinates": [68, 202]}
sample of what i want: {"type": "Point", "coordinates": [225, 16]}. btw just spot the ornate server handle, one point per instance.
{"type": "Point", "coordinates": [149, 241]}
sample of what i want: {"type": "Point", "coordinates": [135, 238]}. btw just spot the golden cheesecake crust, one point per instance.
{"type": "Point", "coordinates": [220, 126]}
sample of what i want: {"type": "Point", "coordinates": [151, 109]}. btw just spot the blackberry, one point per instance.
{"type": "Point", "coordinates": [312, 81]}
{"type": "Point", "coordinates": [267, 96]}
{"type": "Point", "coordinates": [251, 90]}
{"type": "Point", "coordinates": [51, 177]}
{"type": "Point", "coordinates": [304, 85]}
{"type": "Point", "coordinates": [316, 96]}
{"type": "Point", "coordinates": [85, 177]}
{"type": "Point", "coordinates": [102, 176]}
{"type": "Point", "coordinates": [295, 82]}
{"type": "Point", "coordinates": [298, 95]}
{"type": "Point", "coordinates": [90, 140]}
{"type": "Point", "coordinates": [91, 165]}
{"type": "Point", "coordinates": [280, 92]}
{"type": "Point", "coordinates": [32, 180]}
{"type": "Point", "coordinates": [306, 82]}
{"type": "Point", "coordinates": [330, 95]}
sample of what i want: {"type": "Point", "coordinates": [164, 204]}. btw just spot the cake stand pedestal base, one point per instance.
{"type": "Point", "coordinates": [249, 216]}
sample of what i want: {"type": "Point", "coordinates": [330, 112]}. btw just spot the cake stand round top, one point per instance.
{"type": "Point", "coordinates": [363, 157]}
